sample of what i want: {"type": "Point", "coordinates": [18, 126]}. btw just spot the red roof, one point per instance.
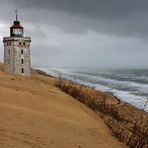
{"type": "Point", "coordinates": [16, 25]}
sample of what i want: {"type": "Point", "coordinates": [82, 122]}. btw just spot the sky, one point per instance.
{"type": "Point", "coordinates": [94, 33]}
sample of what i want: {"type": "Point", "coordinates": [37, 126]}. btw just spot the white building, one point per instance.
{"type": "Point", "coordinates": [17, 51]}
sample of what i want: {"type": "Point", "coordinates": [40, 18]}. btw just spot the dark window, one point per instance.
{"type": "Point", "coordinates": [22, 61]}
{"type": "Point", "coordinates": [22, 70]}
{"type": "Point", "coordinates": [10, 44]}
{"type": "Point", "coordinates": [22, 51]}
{"type": "Point", "coordinates": [8, 51]}
{"type": "Point", "coordinates": [19, 43]}
{"type": "Point", "coordinates": [24, 43]}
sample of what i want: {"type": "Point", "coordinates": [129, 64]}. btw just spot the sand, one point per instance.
{"type": "Point", "coordinates": [35, 114]}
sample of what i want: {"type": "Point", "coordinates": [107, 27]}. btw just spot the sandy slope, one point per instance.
{"type": "Point", "coordinates": [35, 114]}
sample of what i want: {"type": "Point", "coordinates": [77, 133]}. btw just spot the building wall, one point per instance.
{"type": "Point", "coordinates": [8, 56]}
{"type": "Point", "coordinates": [13, 58]}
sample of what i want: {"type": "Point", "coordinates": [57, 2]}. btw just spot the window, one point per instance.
{"type": "Point", "coordinates": [8, 61]}
{"type": "Point", "coordinates": [22, 61]}
{"type": "Point", "coordinates": [10, 44]}
{"type": "Point", "coordinates": [24, 43]}
{"type": "Point", "coordinates": [8, 51]}
{"type": "Point", "coordinates": [19, 43]}
{"type": "Point", "coordinates": [22, 70]}
{"type": "Point", "coordinates": [22, 51]}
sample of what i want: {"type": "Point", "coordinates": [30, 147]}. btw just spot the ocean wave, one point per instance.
{"type": "Point", "coordinates": [130, 91]}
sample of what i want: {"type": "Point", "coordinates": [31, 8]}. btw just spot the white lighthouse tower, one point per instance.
{"type": "Point", "coordinates": [17, 50]}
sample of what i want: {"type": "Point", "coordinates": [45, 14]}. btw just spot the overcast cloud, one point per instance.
{"type": "Point", "coordinates": [104, 33]}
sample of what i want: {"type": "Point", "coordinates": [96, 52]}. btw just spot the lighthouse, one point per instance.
{"type": "Point", "coordinates": [17, 50]}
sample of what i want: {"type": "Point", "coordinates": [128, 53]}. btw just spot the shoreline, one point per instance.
{"type": "Point", "coordinates": [97, 89]}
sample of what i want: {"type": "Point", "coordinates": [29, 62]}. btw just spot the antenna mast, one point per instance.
{"type": "Point", "coordinates": [16, 11]}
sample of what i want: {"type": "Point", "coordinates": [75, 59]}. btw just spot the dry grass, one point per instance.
{"type": "Point", "coordinates": [128, 123]}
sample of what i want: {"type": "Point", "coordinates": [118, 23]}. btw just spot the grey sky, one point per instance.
{"type": "Point", "coordinates": [104, 33]}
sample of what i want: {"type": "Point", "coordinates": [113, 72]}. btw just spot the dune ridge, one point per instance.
{"type": "Point", "coordinates": [36, 114]}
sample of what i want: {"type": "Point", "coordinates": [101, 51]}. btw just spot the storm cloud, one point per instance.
{"type": "Point", "coordinates": [104, 33]}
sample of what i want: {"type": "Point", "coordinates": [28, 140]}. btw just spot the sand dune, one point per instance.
{"type": "Point", "coordinates": [35, 114]}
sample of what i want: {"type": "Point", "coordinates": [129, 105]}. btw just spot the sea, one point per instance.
{"type": "Point", "coordinates": [130, 85]}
